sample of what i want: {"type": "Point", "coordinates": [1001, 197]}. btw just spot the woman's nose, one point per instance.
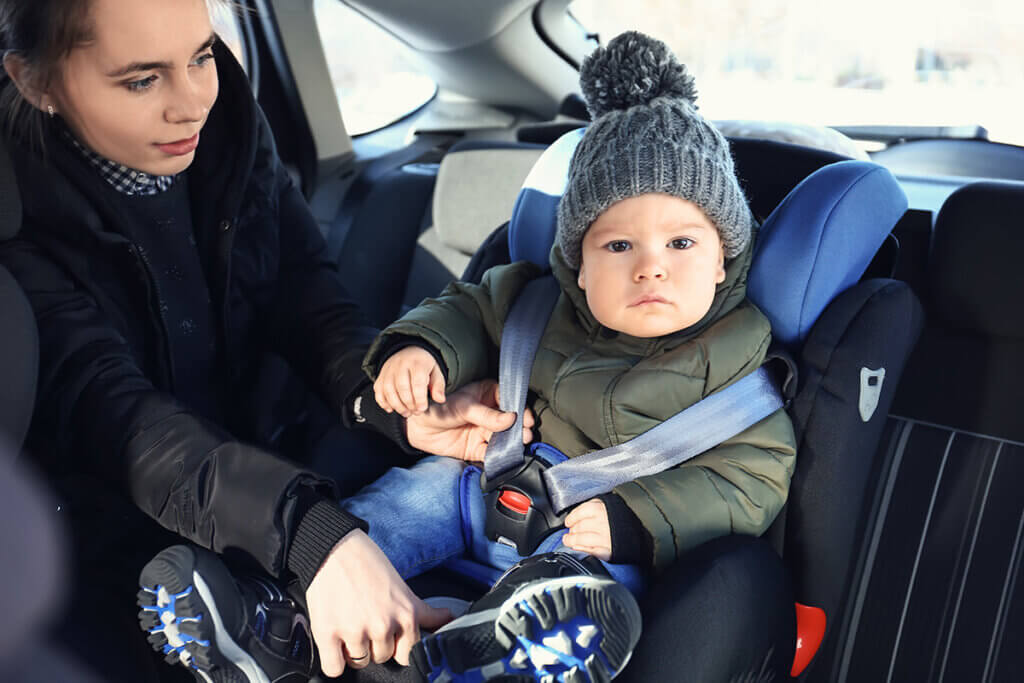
{"type": "Point", "coordinates": [189, 104]}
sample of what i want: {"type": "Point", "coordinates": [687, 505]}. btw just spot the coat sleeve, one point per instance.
{"type": "Point", "coordinates": [99, 409]}
{"type": "Point", "coordinates": [463, 324]}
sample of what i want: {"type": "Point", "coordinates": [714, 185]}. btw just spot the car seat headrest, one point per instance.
{"type": "Point", "coordinates": [976, 273]}
{"type": "Point", "coordinates": [819, 241]}
{"type": "Point", "coordinates": [10, 197]}
{"type": "Point", "coordinates": [815, 244]}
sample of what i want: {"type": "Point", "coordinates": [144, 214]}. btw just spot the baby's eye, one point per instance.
{"type": "Point", "coordinates": [681, 243]}
{"type": "Point", "coordinates": [617, 246]}
{"type": "Point", "coordinates": [141, 84]}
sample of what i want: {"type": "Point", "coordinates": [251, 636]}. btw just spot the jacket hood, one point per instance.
{"type": "Point", "coordinates": [728, 295]}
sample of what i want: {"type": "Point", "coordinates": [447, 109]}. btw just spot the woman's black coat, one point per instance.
{"type": "Point", "coordinates": [106, 399]}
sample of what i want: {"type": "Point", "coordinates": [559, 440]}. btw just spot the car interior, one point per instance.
{"type": "Point", "coordinates": [904, 523]}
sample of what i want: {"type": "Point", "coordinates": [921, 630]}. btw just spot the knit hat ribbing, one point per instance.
{"type": "Point", "coordinates": [646, 137]}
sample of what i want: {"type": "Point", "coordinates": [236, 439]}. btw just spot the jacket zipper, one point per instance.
{"type": "Point", "coordinates": [140, 256]}
{"type": "Point", "coordinates": [227, 229]}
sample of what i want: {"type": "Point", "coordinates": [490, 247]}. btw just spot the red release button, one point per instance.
{"type": "Point", "coordinates": [515, 501]}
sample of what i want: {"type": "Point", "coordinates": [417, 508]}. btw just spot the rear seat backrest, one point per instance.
{"type": "Point", "coordinates": [939, 596]}
{"type": "Point", "coordinates": [967, 372]}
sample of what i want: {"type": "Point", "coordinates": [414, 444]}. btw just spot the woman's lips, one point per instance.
{"type": "Point", "coordinates": [181, 147]}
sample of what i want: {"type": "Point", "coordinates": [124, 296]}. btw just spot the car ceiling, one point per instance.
{"type": "Point", "coordinates": [434, 26]}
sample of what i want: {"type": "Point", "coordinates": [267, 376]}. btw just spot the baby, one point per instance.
{"type": "Point", "coordinates": [652, 249]}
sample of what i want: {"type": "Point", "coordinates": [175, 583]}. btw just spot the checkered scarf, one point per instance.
{"type": "Point", "coordinates": [123, 179]}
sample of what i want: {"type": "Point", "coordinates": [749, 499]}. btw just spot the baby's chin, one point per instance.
{"type": "Point", "coordinates": [649, 330]}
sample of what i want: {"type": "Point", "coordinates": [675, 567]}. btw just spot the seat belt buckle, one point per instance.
{"type": "Point", "coordinates": [518, 508]}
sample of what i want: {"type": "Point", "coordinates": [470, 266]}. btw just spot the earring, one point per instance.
{"type": "Point", "coordinates": [50, 110]}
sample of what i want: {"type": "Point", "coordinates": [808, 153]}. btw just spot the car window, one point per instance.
{"type": "Point", "coordinates": [877, 62]}
{"type": "Point", "coordinates": [376, 78]}
{"type": "Point", "coordinates": [227, 26]}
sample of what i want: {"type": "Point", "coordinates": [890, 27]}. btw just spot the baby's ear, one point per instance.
{"type": "Point", "coordinates": [579, 279]}
{"type": "Point", "coordinates": [720, 276]}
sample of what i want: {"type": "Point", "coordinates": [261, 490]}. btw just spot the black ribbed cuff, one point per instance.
{"type": "Point", "coordinates": [631, 542]}
{"type": "Point", "coordinates": [372, 416]}
{"type": "Point", "coordinates": [320, 528]}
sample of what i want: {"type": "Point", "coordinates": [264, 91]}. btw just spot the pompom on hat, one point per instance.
{"type": "Point", "coordinates": [647, 136]}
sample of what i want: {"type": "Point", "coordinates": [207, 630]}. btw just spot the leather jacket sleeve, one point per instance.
{"type": "Point", "coordinates": [98, 407]}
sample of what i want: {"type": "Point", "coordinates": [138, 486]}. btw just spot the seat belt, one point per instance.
{"type": "Point", "coordinates": [705, 424]}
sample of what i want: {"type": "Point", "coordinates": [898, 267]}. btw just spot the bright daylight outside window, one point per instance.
{"type": "Point", "coordinates": [225, 23]}
{"type": "Point", "coordinates": [375, 76]}
{"type": "Point", "coordinates": [875, 62]}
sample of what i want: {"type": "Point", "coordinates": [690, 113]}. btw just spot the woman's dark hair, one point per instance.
{"type": "Point", "coordinates": [41, 33]}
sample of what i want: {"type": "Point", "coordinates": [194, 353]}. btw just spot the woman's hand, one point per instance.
{"type": "Point", "coordinates": [405, 380]}
{"type": "Point", "coordinates": [462, 426]}
{"type": "Point", "coordinates": [589, 531]}
{"type": "Point", "coordinates": [360, 610]}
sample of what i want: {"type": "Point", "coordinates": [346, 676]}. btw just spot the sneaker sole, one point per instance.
{"type": "Point", "coordinates": [569, 630]}
{"type": "Point", "coordinates": [180, 616]}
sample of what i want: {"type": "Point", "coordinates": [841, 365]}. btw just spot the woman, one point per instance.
{"type": "Point", "coordinates": [165, 251]}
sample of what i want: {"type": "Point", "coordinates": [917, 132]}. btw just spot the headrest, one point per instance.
{"type": "Point", "coordinates": [815, 244]}
{"type": "Point", "coordinates": [819, 241]}
{"type": "Point", "coordinates": [10, 197]}
{"type": "Point", "coordinates": [476, 188]}
{"type": "Point", "coordinates": [977, 246]}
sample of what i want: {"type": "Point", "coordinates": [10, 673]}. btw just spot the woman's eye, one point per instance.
{"type": "Point", "coordinates": [203, 59]}
{"type": "Point", "coordinates": [681, 243]}
{"type": "Point", "coordinates": [617, 246]}
{"type": "Point", "coordinates": [141, 84]}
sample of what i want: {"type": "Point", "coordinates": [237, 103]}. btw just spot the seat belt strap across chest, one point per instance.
{"type": "Point", "coordinates": [704, 425]}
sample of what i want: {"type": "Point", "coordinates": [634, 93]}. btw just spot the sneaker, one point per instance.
{"type": "Point", "coordinates": [550, 618]}
{"type": "Point", "coordinates": [222, 630]}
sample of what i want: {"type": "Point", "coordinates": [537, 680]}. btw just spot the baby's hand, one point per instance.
{"type": "Point", "coordinates": [405, 379]}
{"type": "Point", "coordinates": [589, 531]}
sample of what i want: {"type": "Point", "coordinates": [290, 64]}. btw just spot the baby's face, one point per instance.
{"type": "Point", "coordinates": [650, 265]}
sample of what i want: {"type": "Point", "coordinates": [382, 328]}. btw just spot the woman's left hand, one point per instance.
{"type": "Point", "coordinates": [462, 426]}
{"type": "Point", "coordinates": [589, 530]}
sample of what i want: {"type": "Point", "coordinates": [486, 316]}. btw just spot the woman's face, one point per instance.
{"type": "Point", "coordinates": [140, 92]}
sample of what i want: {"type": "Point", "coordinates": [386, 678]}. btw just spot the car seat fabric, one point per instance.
{"type": "Point", "coordinates": [937, 596]}
{"type": "Point", "coordinates": [966, 372]}
{"type": "Point", "coordinates": [819, 241]}
{"type": "Point", "coordinates": [849, 368]}
{"type": "Point", "coordinates": [477, 184]}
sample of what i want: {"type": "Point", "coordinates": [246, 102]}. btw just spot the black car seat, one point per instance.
{"type": "Point", "coordinates": [936, 594]}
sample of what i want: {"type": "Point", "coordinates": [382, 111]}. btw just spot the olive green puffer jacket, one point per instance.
{"type": "Point", "coordinates": [594, 388]}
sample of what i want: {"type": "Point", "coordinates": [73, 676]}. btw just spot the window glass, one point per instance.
{"type": "Point", "coordinates": [875, 62]}
{"type": "Point", "coordinates": [376, 78]}
{"type": "Point", "coordinates": [227, 26]}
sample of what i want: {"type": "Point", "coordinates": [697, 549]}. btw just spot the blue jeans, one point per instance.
{"type": "Point", "coordinates": [433, 513]}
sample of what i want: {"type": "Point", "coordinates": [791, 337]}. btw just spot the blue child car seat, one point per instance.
{"type": "Point", "coordinates": [810, 253]}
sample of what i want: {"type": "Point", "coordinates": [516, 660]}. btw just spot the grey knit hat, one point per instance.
{"type": "Point", "coordinates": [647, 136]}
